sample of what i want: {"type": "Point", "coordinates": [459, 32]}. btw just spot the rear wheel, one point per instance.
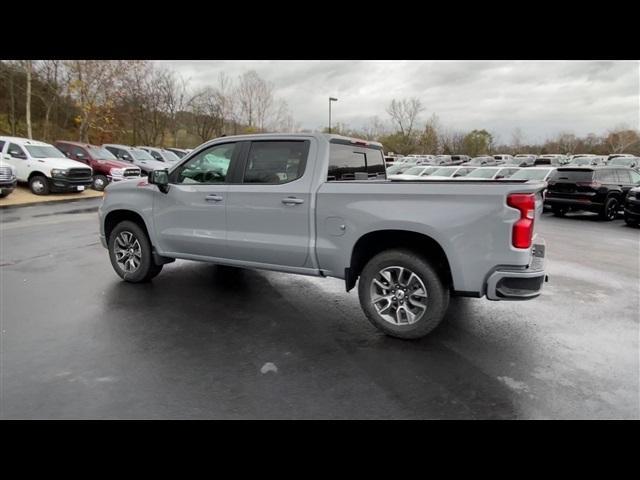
{"type": "Point", "coordinates": [39, 185]}
{"type": "Point", "coordinates": [610, 209]}
{"type": "Point", "coordinates": [402, 294]}
{"type": "Point", "coordinates": [130, 253]}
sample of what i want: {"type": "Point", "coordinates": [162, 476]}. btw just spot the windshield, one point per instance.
{"type": "Point", "coordinates": [513, 161]}
{"type": "Point", "coordinates": [47, 151]}
{"type": "Point", "coordinates": [413, 171]}
{"type": "Point", "coordinates": [478, 160]}
{"type": "Point", "coordinates": [443, 172]}
{"type": "Point", "coordinates": [483, 173]}
{"type": "Point", "coordinates": [140, 154]}
{"type": "Point", "coordinates": [101, 153]}
{"type": "Point", "coordinates": [169, 156]}
{"type": "Point", "coordinates": [530, 174]}
{"type": "Point", "coordinates": [623, 161]}
{"type": "Point", "coordinates": [395, 169]}
{"type": "Point", "coordinates": [582, 161]}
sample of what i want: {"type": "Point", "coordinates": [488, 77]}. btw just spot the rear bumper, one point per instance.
{"type": "Point", "coordinates": [519, 283]}
{"type": "Point", "coordinates": [573, 203]}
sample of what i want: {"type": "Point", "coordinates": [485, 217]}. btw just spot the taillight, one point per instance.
{"type": "Point", "coordinates": [522, 232]}
{"type": "Point", "coordinates": [589, 184]}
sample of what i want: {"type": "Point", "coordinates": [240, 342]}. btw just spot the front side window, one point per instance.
{"type": "Point", "coordinates": [209, 166]}
{"type": "Point", "coordinates": [16, 151]}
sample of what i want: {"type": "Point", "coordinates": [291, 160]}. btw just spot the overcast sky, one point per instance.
{"type": "Point", "coordinates": [542, 98]}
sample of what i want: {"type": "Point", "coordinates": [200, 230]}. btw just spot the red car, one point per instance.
{"type": "Point", "coordinates": [106, 167]}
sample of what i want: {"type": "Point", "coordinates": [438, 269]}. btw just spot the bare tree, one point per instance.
{"type": "Point", "coordinates": [621, 138]}
{"type": "Point", "coordinates": [28, 69]}
{"type": "Point", "coordinates": [404, 113]}
{"type": "Point", "coordinates": [516, 139]}
{"type": "Point", "coordinates": [255, 98]}
{"type": "Point", "coordinates": [52, 86]}
{"type": "Point", "coordinates": [92, 85]}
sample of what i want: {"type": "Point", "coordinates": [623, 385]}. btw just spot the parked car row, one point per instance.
{"type": "Point", "coordinates": [608, 190]}
{"type": "Point", "coordinates": [68, 166]}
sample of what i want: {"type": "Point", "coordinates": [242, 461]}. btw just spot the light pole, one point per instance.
{"type": "Point", "coordinates": [331, 99]}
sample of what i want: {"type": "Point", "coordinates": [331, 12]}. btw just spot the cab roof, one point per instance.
{"type": "Point", "coordinates": [25, 141]}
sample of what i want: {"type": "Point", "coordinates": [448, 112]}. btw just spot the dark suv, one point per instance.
{"type": "Point", "coordinates": [106, 167]}
{"type": "Point", "coordinates": [632, 207]}
{"type": "Point", "coordinates": [596, 189]}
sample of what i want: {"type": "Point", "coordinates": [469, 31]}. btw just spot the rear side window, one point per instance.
{"type": "Point", "coordinates": [608, 176]}
{"type": "Point", "coordinates": [347, 162]}
{"type": "Point", "coordinates": [276, 162]}
{"type": "Point", "coordinates": [573, 175]}
{"type": "Point", "coordinates": [623, 176]}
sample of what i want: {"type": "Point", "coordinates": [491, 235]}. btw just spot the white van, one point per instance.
{"type": "Point", "coordinates": [44, 167]}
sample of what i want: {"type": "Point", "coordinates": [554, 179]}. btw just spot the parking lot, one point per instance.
{"type": "Point", "coordinates": [203, 341]}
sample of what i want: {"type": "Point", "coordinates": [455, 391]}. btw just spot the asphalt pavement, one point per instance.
{"type": "Point", "coordinates": [203, 341]}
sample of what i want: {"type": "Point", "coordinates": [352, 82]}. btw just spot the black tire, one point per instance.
{"type": "Point", "coordinates": [147, 268]}
{"type": "Point", "coordinates": [39, 185]}
{"type": "Point", "coordinates": [99, 182]}
{"type": "Point", "coordinates": [437, 293]}
{"type": "Point", "coordinates": [630, 221]}
{"type": "Point", "coordinates": [558, 211]}
{"type": "Point", "coordinates": [610, 209]}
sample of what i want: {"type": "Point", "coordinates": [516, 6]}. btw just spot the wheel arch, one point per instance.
{"type": "Point", "coordinates": [372, 243]}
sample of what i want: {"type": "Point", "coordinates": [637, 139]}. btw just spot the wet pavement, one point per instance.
{"type": "Point", "coordinates": [202, 341]}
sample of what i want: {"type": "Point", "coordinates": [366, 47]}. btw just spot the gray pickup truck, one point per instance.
{"type": "Point", "coordinates": [321, 205]}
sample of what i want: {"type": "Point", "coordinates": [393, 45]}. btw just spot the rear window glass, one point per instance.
{"type": "Point", "coordinates": [347, 162]}
{"type": "Point", "coordinates": [573, 175]}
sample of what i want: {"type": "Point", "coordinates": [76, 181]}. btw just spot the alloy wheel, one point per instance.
{"type": "Point", "coordinates": [398, 295]}
{"type": "Point", "coordinates": [127, 251]}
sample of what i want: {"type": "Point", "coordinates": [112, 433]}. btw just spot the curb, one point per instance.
{"type": "Point", "coordinates": [49, 202]}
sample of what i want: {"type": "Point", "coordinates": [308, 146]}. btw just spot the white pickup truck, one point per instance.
{"type": "Point", "coordinates": [316, 204]}
{"type": "Point", "coordinates": [45, 168]}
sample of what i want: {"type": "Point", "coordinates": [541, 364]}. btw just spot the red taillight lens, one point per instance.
{"type": "Point", "coordinates": [589, 184]}
{"type": "Point", "coordinates": [523, 228]}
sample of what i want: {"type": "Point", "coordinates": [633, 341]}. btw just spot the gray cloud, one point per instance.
{"type": "Point", "coordinates": [542, 98]}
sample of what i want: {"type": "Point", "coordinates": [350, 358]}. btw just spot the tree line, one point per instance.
{"type": "Point", "coordinates": [132, 102]}
{"type": "Point", "coordinates": [138, 103]}
{"type": "Point", "coordinates": [404, 133]}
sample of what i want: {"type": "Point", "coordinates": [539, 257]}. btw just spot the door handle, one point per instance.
{"type": "Point", "coordinates": [213, 198]}
{"type": "Point", "coordinates": [292, 201]}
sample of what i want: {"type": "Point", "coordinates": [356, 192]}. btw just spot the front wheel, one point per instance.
{"type": "Point", "coordinates": [100, 182]}
{"type": "Point", "coordinates": [630, 221]}
{"type": "Point", "coordinates": [402, 294]}
{"type": "Point", "coordinates": [130, 253]}
{"type": "Point", "coordinates": [39, 185]}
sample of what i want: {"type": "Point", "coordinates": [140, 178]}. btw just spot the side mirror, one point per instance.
{"type": "Point", "coordinates": [161, 179]}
